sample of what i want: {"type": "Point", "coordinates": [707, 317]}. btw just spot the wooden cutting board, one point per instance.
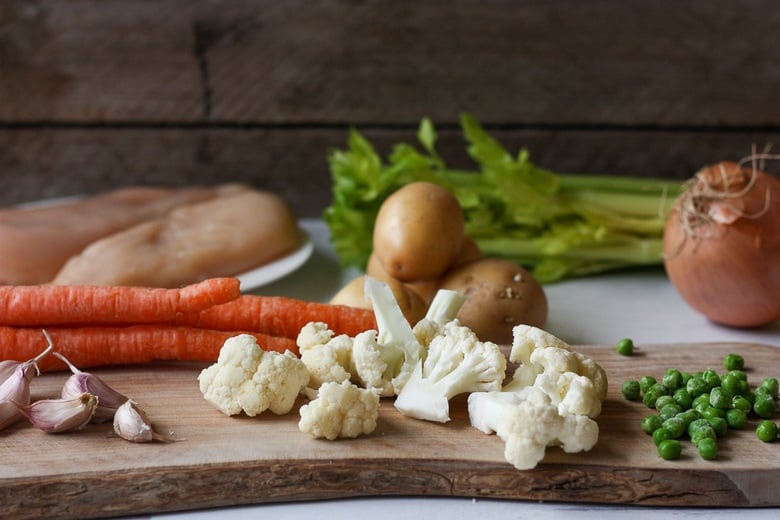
{"type": "Point", "coordinates": [241, 460]}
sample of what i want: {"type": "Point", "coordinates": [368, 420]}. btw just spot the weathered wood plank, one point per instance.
{"type": "Point", "coordinates": [46, 162]}
{"type": "Point", "coordinates": [520, 62]}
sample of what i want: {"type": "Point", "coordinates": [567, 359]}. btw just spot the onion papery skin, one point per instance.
{"type": "Point", "coordinates": [728, 271]}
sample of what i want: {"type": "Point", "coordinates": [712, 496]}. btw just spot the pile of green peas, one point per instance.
{"type": "Point", "coordinates": [703, 406]}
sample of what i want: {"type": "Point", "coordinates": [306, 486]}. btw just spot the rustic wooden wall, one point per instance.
{"type": "Point", "coordinates": [100, 93]}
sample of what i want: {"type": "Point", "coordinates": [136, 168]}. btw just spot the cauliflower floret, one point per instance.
{"type": "Point", "coordinates": [247, 378]}
{"type": "Point", "coordinates": [571, 392]}
{"type": "Point", "coordinates": [340, 410]}
{"type": "Point", "coordinates": [528, 422]}
{"type": "Point", "coordinates": [456, 363]}
{"type": "Point", "coordinates": [574, 382]}
{"type": "Point", "coordinates": [327, 358]}
{"type": "Point", "coordinates": [384, 359]}
{"type": "Point", "coordinates": [525, 340]}
{"type": "Point", "coordinates": [443, 308]}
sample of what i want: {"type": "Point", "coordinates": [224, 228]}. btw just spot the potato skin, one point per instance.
{"type": "Point", "coordinates": [499, 295]}
{"type": "Point", "coordinates": [418, 232]}
{"type": "Point", "coordinates": [353, 294]}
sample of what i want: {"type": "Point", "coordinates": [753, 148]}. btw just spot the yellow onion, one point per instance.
{"type": "Point", "coordinates": [722, 243]}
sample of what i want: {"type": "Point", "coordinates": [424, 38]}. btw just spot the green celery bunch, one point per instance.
{"type": "Point", "coordinates": [557, 225]}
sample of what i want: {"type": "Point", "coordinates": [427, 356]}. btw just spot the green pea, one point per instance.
{"type": "Point", "coordinates": [766, 431]}
{"type": "Point", "coordinates": [661, 434]}
{"type": "Point", "coordinates": [625, 347]}
{"type": "Point", "coordinates": [631, 390]}
{"type": "Point", "coordinates": [670, 449]}
{"type": "Point", "coordinates": [701, 403]}
{"type": "Point", "coordinates": [670, 410]}
{"type": "Point", "coordinates": [676, 426]}
{"type": "Point", "coordinates": [764, 406]}
{"type": "Point", "coordinates": [771, 385]}
{"type": "Point", "coordinates": [720, 425]}
{"type": "Point", "coordinates": [682, 398]}
{"type": "Point", "coordinates": [689, 416]}
{"type": "Point", "coordinates": [696, 386]}
{"type": "Point", "coordinates": [707, 448]}
{"type": "Point", "coordinates": [740, 403]}
{"type": "Point", "coordinates": [763, 391]}
{"type": "Point", "coordinates": [711, 412]}
{"type": "Point", "coordinates": [736, 418]}
{"type": "Point", "coordinates": [686, 377]}
{"type": "Point", "coordinates": [646, 382]}
{"type": "Point", "coordinates": [734, 362]}
{"type": "Point", "coordinates": [700, 435]}
{"type": "Point", "coordinates": [651, 423]}
{"type": "Point", "coordinates": [711, 378]}
{"type": "Point", "coordinates": [653, 393]}
{"type": "Point", "coordinates": [731, 384]}
{"type": "Point", "coordinates": [720, 398]}
{"type": "Point", "coordinates": [698, 425]}
{"type": "Point", "coordinates": [663, 400]}
{"type": "Point", "coordinates": [672, 379]}
{"type": "Point", "coordinates": [739, 374]}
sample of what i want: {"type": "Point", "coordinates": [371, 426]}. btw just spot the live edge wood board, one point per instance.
{"type": "Point", "coordinates": [241, 460]}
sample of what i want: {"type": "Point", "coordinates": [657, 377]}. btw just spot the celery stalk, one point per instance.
{"type": "Point", "coordinates": [557, 225]}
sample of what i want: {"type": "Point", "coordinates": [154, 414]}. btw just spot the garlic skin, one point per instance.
{"type": "Point", "coordinates": [81, 382]}
{"type": "Point", "coordinates": [132, 424]}
{"type": "Point", "coordinates": [7, 368]}
{"type": "Point", "coordinates": [9, 414]}
{"type": "Point", "coordinates": [61, 415]}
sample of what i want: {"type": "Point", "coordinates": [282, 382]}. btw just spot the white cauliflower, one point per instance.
{"type": "Point", "coordinates": [384, 359]}
{"type": "Point", "coordinates": [327, 358]}
{"type": "Point", "coordinates": [456, 363]}
{"type": "Point", "coordinates": [528, 422]}
{"type": "Point", "coordinates": [247, 378]}
{"type": "Point", "coordinates": [340, 410]}
{"type": "Point", "coordinates": [443, 308]}
{"type": "Point", "coordinates": [574, 382]}
{"type": "Point", "coordinates": [551, 401]}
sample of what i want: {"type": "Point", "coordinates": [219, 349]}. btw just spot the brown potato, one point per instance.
{"type": "Point", "coordinates": [353, 294]}
{"type": "Point", "coordinates": [425, 288]}
{"type": "Point", "coordinates": [418, 232]}
{"type": "Point", "coordinates": [499, 295]}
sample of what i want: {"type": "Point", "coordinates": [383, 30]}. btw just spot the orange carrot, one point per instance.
{"type": "Point", "coordinates": [46, 305]}
{"type": "Point", "coordinates": [87, 347]}
{"type": "Point", "coordinates": [280, 316]}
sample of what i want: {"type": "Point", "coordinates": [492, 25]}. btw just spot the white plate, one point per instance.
{"type": "Point", "coordinates": [279, 268]}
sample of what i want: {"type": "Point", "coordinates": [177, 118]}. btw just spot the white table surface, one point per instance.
{"type": "Point", "coordinates": [601, 309]}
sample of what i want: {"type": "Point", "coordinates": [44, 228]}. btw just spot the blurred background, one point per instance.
{"type": "Point", "coordinates": [97, 94]}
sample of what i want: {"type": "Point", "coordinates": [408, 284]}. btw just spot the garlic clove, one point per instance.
{"type": "Point", "coordinates": [132, 424]}
{"type": "Point", "coordinates": [84, 382]}
{"type": "Point", "coordinates": [7, 368]}
{"type": "Point", "coordinates": [16, 386]}
{"type": "Point", "coordinates": [9, 414]}
{"type": "Point", "coordinates": [61, 415]}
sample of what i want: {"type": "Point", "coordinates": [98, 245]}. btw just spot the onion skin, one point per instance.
{"type": "Point", "coordinates": [723, 254]}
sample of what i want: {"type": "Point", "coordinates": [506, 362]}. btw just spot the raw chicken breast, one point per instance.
{"type": "Point", "coordinates": [36, 242]}
{"type": "Point", "coordinates": [225, 236]}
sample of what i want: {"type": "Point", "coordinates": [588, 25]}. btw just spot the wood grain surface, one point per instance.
{"type": "Point", "coordinates": [96, 94]}
{"type": "Point", "coordinates": [240, 460]}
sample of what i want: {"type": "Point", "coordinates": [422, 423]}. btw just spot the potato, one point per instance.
{"type": "Point", "coordinates": [418, 232]}
{"type": "Point", "coordinates": [499, 295]}
{"type": "Point", "coordinates": [353, 294]}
